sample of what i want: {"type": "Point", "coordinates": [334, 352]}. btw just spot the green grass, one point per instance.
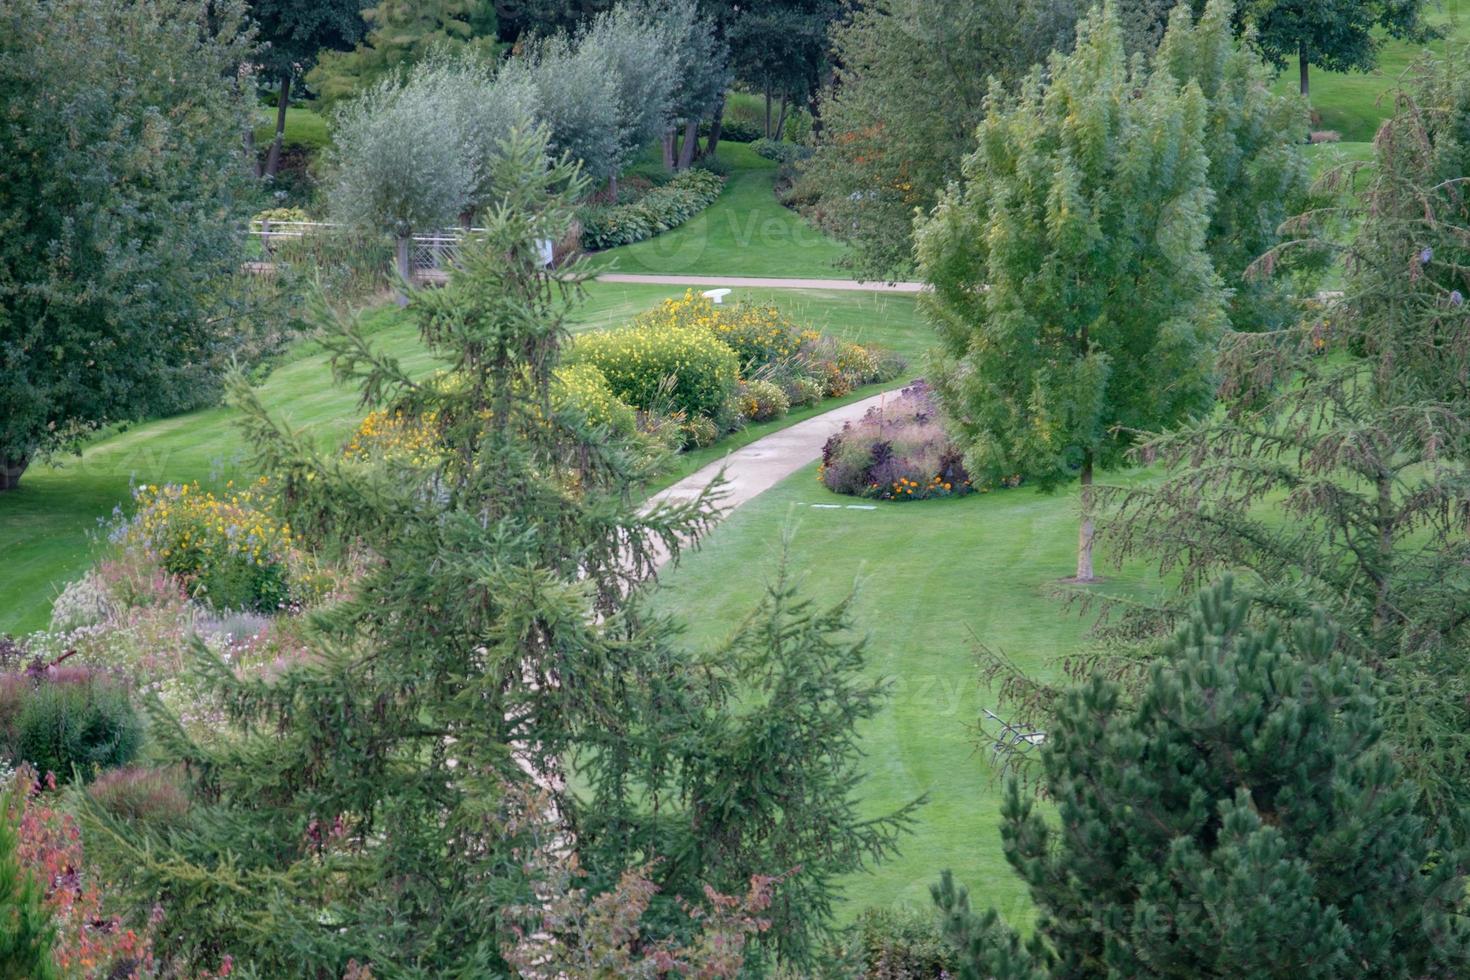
{"type": "Point", "coordinates": [304, 127]}
{"type": "Point", "coordinates": [1355, 103]}
{"type": "Point", "coordinates": [935, 577]}
{"type": "Point", "coordinates": [47, 526]}
{"type": "Point", "coordinates": [745, 233]}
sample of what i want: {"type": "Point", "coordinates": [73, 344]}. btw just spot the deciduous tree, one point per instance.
{"type": "Point", "coordinates": [908, 90]}
{"type": "Point", "coordinates": [120, 213]}
{"type": "Point", "coordinates": [1339, 35]}
{"type": "Point", "coordinates": [1073, 293]}
{"type": "Point", "coordinates": [292, 34]}
{"type": "Point", "coordinates": [400, 34]}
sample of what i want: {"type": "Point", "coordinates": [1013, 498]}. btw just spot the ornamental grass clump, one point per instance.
{"type": "Point", "coordinates": [229, 550]}
{"type": "Point", "coordinates": [898, 451]}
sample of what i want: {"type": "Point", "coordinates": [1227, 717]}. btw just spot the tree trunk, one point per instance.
{"type": "Point", "coordinates": [10, 471]}
{"type": "Point", "coordinates": [404, 271]}
{"type": "Point", "coordinates": [768, 111]}
{"type": "Point", "coordinates": [612, 188]}
{"type": "Point", "coordinates": [668, 142]}
{"type": "Point", "coordinates": [251, 157]}
{"type": "Point", "coordinates": [716, 127]}
{"type": "Point", "coordinates": [781, 119]}
{"type": "Point", "coordinates": [691, 140]}
{"type": "Point", "coordinates": [1302, 61]}
{"type": "Point", "coordinates": [273, 160]}
{"type": "Point", "coordinates": [1086, 532]}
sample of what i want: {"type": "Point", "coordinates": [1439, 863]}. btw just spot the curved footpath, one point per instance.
{"type": "Point", "coordinates": [754, 469]}
{"type": "Point", "coordinates": [764, 282]}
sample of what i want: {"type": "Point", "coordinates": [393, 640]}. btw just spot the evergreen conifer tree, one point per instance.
{"type": "Point", "coordinates": [1242, 819]}
{"type": "Point", "coordinates": [495, 698]}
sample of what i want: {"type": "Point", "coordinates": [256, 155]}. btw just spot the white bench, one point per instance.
{"type": "Point", "coordinates": [716, 295]}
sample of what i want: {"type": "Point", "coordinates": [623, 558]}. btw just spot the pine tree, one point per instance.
{"type": "Point", "coordinates": [1073, 294]}
{"type": "Point", "coordinates": [1243, 819]}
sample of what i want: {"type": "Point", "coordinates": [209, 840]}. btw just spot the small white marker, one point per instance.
{"type": "Point", "coordinates": [826, 506]}
{"type": "Point", "coordinates": [862, 507]}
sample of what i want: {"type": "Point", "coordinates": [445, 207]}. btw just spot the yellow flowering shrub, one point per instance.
{"type": "Point", "coordinates": [657, 363]}
{"type": "Point", "coordinates": [585, 388]}
{"type": "Point", "coordinates": [757, 334]}
{"type": "Point", "coordinates": [228, 549]}
{"type": "Point", "coordinates": [409, 440]}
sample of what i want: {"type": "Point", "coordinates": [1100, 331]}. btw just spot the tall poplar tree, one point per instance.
{"type": "Point", "coordinates": [1258, 172]}
{"type": "Point", "coordinates": [1073, 293]}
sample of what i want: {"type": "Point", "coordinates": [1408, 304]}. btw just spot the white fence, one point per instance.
{"type": "Point", "coordinates": [429, 254]}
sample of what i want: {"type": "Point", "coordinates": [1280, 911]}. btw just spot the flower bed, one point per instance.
{"type": "Point", "coordinates": [899, 451]}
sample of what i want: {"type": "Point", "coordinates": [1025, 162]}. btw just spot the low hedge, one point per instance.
{"type": "Point", "coordinates": [662, 208]}
{"type": "Point", "coordinates": [659, 366]}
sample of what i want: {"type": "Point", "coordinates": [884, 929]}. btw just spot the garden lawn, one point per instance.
{"type": "Point", "coordinates": [746, 232]}
{"type": "Point", "coordinates": [304, 127]}
{"type": "Point", "coordinates": [47, 527]}
{"type": "Point", "coordinates": [936, 576]}
{"type": "Point", "coordinates": [1355, 103]}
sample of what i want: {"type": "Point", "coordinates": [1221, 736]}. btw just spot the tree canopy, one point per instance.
{"type": "Point", "coordinates": [120, 213]}
{"type": "Point", "coordinates": [909, 88]}
{"type": "Point", "coordinates": [1339, 35]}
{"type": "Point", "coordinates": [1073, 291]}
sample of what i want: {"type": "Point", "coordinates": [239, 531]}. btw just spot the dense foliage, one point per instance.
{"type": "Point", "coordinates": [1073, 293]}
{"type": "Point", "coordinates": [1244, 818]}
{"type": "Point", "coordinates": [1357, 424]}
{"type": "Point", "coordinates": [120, 210]}
{"type": "Point", "coordinates": [26, 929]}
{"type": "Point", "coordinates": [1339, 35]}
{"type": "Point", "coordinates": [653, 364]}
{"type": "Point", "coordinates": [400, 35]}
{"type": "Point", "coordinates": [1258, 173]}
{"type": "Point", "coordinates": [493, 649]}
{"type": "Point", "coordinates": [67, 721]}
{"type": "Point", "coordinates": [900, 115]}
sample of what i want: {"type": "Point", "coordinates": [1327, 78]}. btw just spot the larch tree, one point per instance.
{"type": "Point", "coordinates": [1243, 817]}
{"type": "Point", "coordinates": [1072, 289]}
{"type": "Point", "coordinates": [493, 706]}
